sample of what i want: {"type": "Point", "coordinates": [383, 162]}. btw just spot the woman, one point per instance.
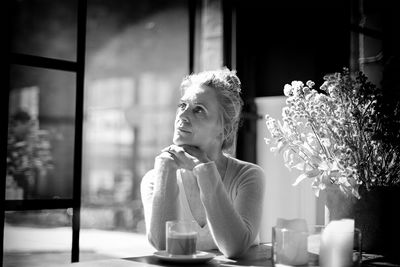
{"type": "Point", "coordinates": [195, 178]}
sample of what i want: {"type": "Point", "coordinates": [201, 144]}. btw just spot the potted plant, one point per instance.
{"type": "Point", "coordinates": [345, 137]}
{"type": "Point", "coordinates": [28, 155]}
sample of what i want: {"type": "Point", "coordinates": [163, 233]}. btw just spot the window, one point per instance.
{"type": "Point", "coordinates": [45, 96]}
{"type": "Point", "coordinates": [93, 88]}
{"type": "Point", "coordinates": [137, 54]}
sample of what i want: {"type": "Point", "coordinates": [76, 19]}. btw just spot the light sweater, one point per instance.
{"type": "Point", "coordinates": [232, 204]}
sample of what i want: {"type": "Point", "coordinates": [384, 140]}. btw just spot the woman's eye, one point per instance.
{"type": "Point", "coordinates": [198, 110]}
{"type": "Point", "coordinates": [182, 106]}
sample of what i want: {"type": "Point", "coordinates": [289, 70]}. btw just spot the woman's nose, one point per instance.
{"type": "Point", "coordinates": [184, 119]}
{"type": "Point", "coordinates": [183, 115]}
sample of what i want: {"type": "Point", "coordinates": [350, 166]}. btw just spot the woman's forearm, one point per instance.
{"type": "Point", "coordinates": [233, 225]}
{"type": "Point", "coordinates": [163, 204]}
{"type": "Point", "coordinates": [231, 233]}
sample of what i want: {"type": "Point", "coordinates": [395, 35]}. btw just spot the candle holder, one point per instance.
{"type": "Point", "coordinates": [315, 248]}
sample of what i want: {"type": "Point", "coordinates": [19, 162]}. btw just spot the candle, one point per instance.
{"type": "Point", "coordinates": [337, 244]}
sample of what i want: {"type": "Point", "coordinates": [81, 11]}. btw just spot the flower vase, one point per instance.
{"type": "Point", "coordinates": [376, 214]}
{"type": "Point", "coordinates": [338, 205]}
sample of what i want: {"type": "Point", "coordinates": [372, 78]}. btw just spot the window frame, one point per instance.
{"type": "Point", "coordinates": [77, 67]}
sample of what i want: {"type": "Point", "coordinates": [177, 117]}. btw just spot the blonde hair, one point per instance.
{"type": "Point", "coordinates": [228, 88]}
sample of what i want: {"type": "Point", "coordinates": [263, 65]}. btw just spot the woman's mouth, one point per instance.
{"type": "Point", "coordinates": [183, 130]}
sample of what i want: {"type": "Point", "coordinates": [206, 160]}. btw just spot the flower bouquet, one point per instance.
{"type": "Point", "coordinates": [341, 135]}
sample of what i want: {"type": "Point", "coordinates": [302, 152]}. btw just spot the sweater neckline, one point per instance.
{"type": "Point", "coordinates": [226, 168]}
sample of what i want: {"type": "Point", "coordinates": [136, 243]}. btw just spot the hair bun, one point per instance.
{"type": "Point", "coordinates": [231, 78]}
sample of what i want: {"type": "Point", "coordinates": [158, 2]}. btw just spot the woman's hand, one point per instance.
{"type": "Point", "coordinates": [186, 157]}
{"type": "Point", "coordinates": [168, 159]}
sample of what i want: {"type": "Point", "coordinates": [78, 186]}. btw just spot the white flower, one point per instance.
{"type": "Point", "coordinates": [287, 90]}
{"type": "Point", "coordinates": [310, 84]}
{"type": "Point", "coordinates": [323, 136]}
{"type": "Point", "coordinates": [297, 84]}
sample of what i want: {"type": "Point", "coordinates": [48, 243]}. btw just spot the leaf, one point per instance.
{"type": "Point", "coordinates": [285, 155]}
{"type": "Point", "coordinates": [282, 145]}
{"type": "Point", "coordinates": [300, 166]}
{"type": "Point", "coordinates": [310, 174]}
{"type": "Point", "coordinates": [315, 187]}
{"type": "Point", "coordinates": [299, 179]}
{"type": "Point", "coordinates": [287, 165]}
{"type": "Point", "coordinates": [313, 173]}
{"type": "Point", "coordinates": [324, 166]}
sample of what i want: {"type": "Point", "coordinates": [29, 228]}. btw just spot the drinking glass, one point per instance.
{"type": "Point", "coordinates": [181, 237]}
{"type": "Point", "coordinates": [289, 246]}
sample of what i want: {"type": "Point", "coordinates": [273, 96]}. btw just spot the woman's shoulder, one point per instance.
{"type": "Point", "coordinates": [244, 170]}
{"type": "Point", "coordinates": [245, 175]}
{"type": "Point", "coordinates": [242, 165]}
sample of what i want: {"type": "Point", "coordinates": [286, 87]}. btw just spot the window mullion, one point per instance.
{"type": "Point", "coordinates": [82, 10]}
{"type": "Point", "coordinates": [43, 62]}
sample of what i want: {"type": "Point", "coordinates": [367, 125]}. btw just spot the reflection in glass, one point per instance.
{"type": "Point", "coordinates": [45, 28]}
{"type": "Point", "coordinates": [40, 133]}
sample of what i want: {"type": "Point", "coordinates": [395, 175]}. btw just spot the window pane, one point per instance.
{"type": "Point", "coordinates": [41, 133]}
{"type": "Point", "coordinates": [45, 28]}
{"type": "Point", "coordinates": [208, 43]}
{"type": "Point", "coordinates": [37, 238]}
{"type": "Point", "coordinates": [137, 55]}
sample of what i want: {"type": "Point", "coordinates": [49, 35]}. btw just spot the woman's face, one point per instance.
{"type": "Point", "coordinates": [197, 119]}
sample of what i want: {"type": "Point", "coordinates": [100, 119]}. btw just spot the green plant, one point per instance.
{"type": "Point", "coordinates": [28, 147]}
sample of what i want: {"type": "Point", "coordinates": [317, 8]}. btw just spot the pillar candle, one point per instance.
{"type": "Point", "coordinates": [337, 244]}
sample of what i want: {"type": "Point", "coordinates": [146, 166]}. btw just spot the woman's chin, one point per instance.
{"type": "Point", "coordinates": [177, 141]}
{"type": "Point", "coordinates": [181, 141]}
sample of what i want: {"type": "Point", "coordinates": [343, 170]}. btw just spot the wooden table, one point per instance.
{"type": "Point", "coordinates": [256, 256]}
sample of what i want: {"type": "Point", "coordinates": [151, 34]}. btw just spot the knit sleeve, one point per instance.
{"type": "Point", "coordinates": [159, 192]}
{"type": "Point", "coordinates": [233, 224]}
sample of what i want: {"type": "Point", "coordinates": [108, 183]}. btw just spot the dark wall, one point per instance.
{"type": "Point", "coordinates": [282, 41]}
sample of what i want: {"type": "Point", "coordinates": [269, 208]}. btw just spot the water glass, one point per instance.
{"type": "Point", "coordinates": [181, 237]}
{"type": "Point", "coordinates": [289, 246]}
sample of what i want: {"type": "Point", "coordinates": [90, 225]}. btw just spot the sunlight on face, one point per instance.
{"type": "Point", "coordinates": [197, 119]}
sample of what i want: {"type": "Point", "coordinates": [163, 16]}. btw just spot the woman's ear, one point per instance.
{"type": "Point", "coordinates": [221, 134]}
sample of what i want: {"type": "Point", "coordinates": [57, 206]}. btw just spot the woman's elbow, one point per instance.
{"type": "Point", "coordinates": [156, 242]}
{"type": "Point", "coordinates": [233, 254]}
{"type": "Point", "coordinates": [235, 251]}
